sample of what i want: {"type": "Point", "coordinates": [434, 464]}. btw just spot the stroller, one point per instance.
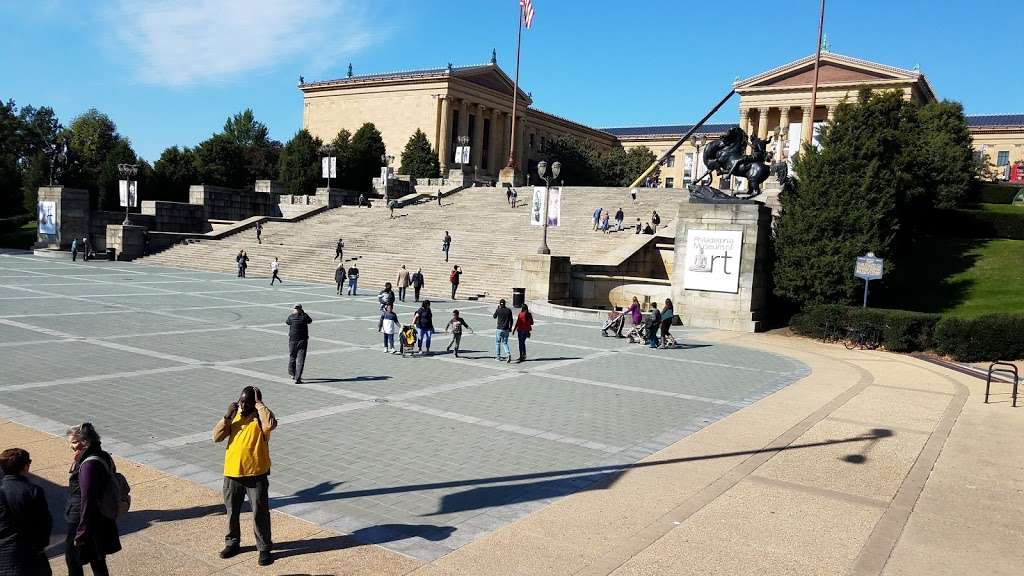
{"type": "Point", "coordinates": [639, 334]}
{"type": "Point", "coordinates": [615, 323]}
{"type": "Point", "coordinates": [406, 340]}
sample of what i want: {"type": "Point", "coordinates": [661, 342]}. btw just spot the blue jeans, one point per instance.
{"type": "Point", "coordinates": [352, 286]}
{"type": "Point", "coordinates": [389, 341]}
{"type": "Point", "coordinates": [501, 337]}
{"type": "Point", "coordinates": [423, 337]}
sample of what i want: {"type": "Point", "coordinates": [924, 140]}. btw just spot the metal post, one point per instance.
{"type": "Point", "coordinates": [515, 94]}
{"type": "Point", "coordinates": [544, 241]}
{"type": "Point", "coordinates": [817, 62]}
{"type": "Point", "coordinates": [866, 282]}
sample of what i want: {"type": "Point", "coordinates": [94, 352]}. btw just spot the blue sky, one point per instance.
{"type": "Point", "coordinates": [169, 72]}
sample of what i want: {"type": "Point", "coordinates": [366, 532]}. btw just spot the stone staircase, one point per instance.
{"type": "Point", "coordinates": [487, 236]}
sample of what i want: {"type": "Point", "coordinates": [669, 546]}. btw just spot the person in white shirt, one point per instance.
{"type": "Point", "coordinates": [274, 268]}
{"type": "Point", "coordinates": [389, 325]}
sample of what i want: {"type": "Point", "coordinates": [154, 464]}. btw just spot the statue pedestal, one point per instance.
{"type": "Point", "coordinates": [128, 241]}
{"type": "Point", "coordinates": [509, 177]}
{"type": "Point", "coordinates": [719, 276]}
{"type": "Point", "coordinates": [71, 216]}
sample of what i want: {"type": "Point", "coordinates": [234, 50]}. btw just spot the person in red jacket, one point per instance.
{"type": "Point", "coordinates": [524, 324]}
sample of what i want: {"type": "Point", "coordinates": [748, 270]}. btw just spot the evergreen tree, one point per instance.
{"type": "Point", "coordinates": [219, 161]}
{"type": "Point", "coordinates": [300, 163]}
{"type": "Point", "coordinates": [946, 155]}
{"type": "Point", "coordinates": [577, 160]}
{"type": "Point", "coordinates": [418, 158]}
{"type": "Point", "coordinates": [847, 200]}
{"type": "Point", "coordinates": [634, 163]}
{"type": "Point", "coordinates": [367, 149]}
{"type": "Point", "coordinates": [341, 148]}
{"type": "Point", "coordinates": [11, 130]}
{"type": "Point", "coordinates": [244, 130]}
{"type": "Point", "coordinates": [260, 154]}
{"type": "Point", "coordinates": [173, 173]}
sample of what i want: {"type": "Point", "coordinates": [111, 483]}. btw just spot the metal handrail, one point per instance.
{"type": "Point", "coordinates": [1009, 369]}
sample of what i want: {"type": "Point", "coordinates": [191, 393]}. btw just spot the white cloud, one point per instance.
{"type": "Point", "coordinates": [188, 42]}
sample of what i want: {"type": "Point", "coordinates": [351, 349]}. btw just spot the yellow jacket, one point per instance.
{"type": "Point", "coordinates": [248, 450]}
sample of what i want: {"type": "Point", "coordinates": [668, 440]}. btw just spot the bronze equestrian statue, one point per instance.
{"type": "Point", "coordinates": [727, 157]}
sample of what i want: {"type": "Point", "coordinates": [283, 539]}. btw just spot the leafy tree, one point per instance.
{"type": "Point", "coordinates": [367, 149]}
{"type": "Point", "coordinates": [244, 130]}
{"type": "Point", "coordinates": [945, 153]}
{"type": "Point", "coordinates": [96, 148]}
{"type": "Point", "coordinates": [847, 200]}
{"type": "Point", "coordinates": [219, 161]}
{"type": "Point", "coordinates": [341, 148]}
{"type": "Point", "coordinates": [635, 162]}
{"type": "Point", "coordinates": [418, 158]}
{"type": "Point", "coordinates": [260, 154]}
{"type": "Point", "coordinates": [11, 129]}
{"type": "Point", "coordinates": [173, 173]}
{"type": "Point", "coordinates": [109, 197]}
{"type": "Point", "coordinates": [300, 163]}
{"type": "Point", "coordinates": [40, 143]}
{"type": "Point", "coordinates": [577, 158]}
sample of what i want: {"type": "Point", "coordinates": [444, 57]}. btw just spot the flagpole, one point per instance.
{"type": "Point", "coordinates": [817, 62]}
{"type": "Point", "coordinates": [515, 96]}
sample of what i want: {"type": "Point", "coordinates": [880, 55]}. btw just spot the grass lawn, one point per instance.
{"type": "Point", "coordinates": [959, 276]}
{"type": "Point", "coordinates": [999, 208]}
{"type": "Point", "coordinates": [23, 237]}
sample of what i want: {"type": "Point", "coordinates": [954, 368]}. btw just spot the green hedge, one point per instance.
{"type": "Point", "coordinates": [985, 338]}
{"type": "Point", "coordinates": [961, 223]}
{"type": "Point", "coordinates": [988, 193]}
{"type": "Point", "coordinates": [14, 222]}
{"type": "Point", "coordinates": [901, 330]}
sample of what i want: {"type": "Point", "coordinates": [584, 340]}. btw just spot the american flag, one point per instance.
{"type": "Point", "coordinates": [527, 9]}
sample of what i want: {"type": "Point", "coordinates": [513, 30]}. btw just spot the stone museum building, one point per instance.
{"type": "Point", "coordinates": [475, 102]}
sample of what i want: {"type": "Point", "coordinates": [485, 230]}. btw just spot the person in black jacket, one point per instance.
{"type": "Point", "coordinates": [417, 283]}
{"type": "Point", "coordinates": [298, 340]}
{"type": "Point", "coordinates": [91, 535]}
{"type": "Point", "coordinates": [25, 521]}
{"type": "Point", "coordinates": [339, 277]}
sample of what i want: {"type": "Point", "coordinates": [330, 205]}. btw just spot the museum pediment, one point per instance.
{"type": "Point", "coordinates": [492, 77]}
{"type": "Point", "coordinates": [834, 69]}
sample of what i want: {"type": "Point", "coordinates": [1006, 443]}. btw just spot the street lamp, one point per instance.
{"type": "Point", "coordinates": [326, 160]}
{"type": "Point", "coordinates": [385, 159]}
{"type": "Point", "coordinates": [127, 172]}
{"type": "Point", "coordinates": [463, 141]}
{"type": "Point", "coordinates": [542, 169]}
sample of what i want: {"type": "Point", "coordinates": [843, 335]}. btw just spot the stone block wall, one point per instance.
{"type": "Point", "coordinates": [72, 215]}
{"type": "Point", "coordinates": [175, 216]}
{"type": "Point", "coordinates": [545, 277]}
{"type": "Point", "coordinates": [100, 220]}
{"type": "Point", "coordinates": [220, 203]}
{"type": "Point", "coordinates": [269, 187]}
{"type": "Point", "coordinates": [128, 241]}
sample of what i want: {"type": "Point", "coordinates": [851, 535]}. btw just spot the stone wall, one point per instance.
{"type": "Point", "coordinates": [176, 216]}
{"type": "Point", "coordinates": [71, 214]}
{"type": "Point", "coordinates": [99, 221]}
{"type": "Point", "coordinates": [544, 277]}
{"type": "Point", "coordinates": [127, 241]}
{"type": "Point", "coordinates": [222, 203]}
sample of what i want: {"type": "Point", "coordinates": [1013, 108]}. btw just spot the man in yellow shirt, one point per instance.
{"type": "Point", "coordinates": [246, 426]}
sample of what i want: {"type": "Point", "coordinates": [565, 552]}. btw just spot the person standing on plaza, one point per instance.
{"type": "Point", "coordinates": [454, 278]}
{"type": "Point", "coordinates": [653, 326]}
{"type": "Point", "coordinates": [339, 277]}
{"type": "Point", "coordinates": [424, 322]}
{"type": "Point", "coordinates": [246, 426]}
{"type": "Point", "coordinates": [515, 197]}
{"type": "Point", "coordinates": [635, 316]}
{"type": "Point", "coordinates": [389, 325]}
{"type": "Point", "coordinates": [619, 217]}
{"type": "Point", "coordinates": [242, 261]}
{"type": "Point", "coordinates": [353, 280]}
{"type": "Point", "coordinates": [503, 326]}
{"type": "Point", "coordinates": [655, 220]}
{"type": "Point", "coordinates": [404, 279]}
{"type": "Point", "coordinates": [596, 218]}
{"type": "Point", "coordinates": [456, 324]}
{"type": "Point", "coordinates": [386, 297]}
{"type": "Point", "coordinates": [275, 267]}
{"type": "Point", "coordinates": [25, 521]}
{"type": "Point", "coordinates": [524, 324]}
{"type": "Point", "coordinates": [638, 227]}
{"type": "Point", "coordinates": [86, 247]}
{"type": "Point", "coordinates": [259, 233]}
{"type": "Point", "coordinates": [298, 341]}
{"type": "Point", "coordinates": [438, 196]}
{"type": "Point", "coordinates": [508, 195]}
{"type": "Point", "coordinates": [74, 250]}
{"type": "Point", "coordinates": [417, 283]}
{"type": "Point", "coordinates": [92, 536]}
{"type": "Point", "coordinates": [667, 316]}
{"type": "Point", "coordinates": [362, 199]}
{"type": "Point", "coordinates": [339, 250]}
{"type": "Point", "coordinates": [446, 244]}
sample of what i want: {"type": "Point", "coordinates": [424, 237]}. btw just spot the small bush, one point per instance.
{"type": "Point", "coordinates": [901, 330]}
{"type": "Point", "coordinates": [13, 223]}
{"type": "Point", "coordinates": [976, 224]}
{"type": "Point", "coordinates": [985, 338]}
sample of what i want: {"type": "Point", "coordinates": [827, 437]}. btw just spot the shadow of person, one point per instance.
{"type": "Point", "coordinates": [378, 534]}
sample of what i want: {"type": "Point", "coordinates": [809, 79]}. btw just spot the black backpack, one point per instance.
{"type": "Point", "coordinates": [116, 498]}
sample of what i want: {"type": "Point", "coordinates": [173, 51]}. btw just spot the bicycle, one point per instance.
{"type": "Point", "coordinates": [867, 338]}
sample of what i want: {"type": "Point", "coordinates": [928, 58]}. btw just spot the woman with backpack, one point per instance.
{"type": "Point", "coordinates": [94, 493]}
{"type": "Point", "coordinates": [524, 324]}
{"type": "Point", "coordinates": [454, 279]}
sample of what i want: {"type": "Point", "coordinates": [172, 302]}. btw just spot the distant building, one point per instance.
{"type": "Point", "coordinates": [476, 101]}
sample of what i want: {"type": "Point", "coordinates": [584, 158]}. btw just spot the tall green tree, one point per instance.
{"type": "Point", "coordinates": [848, 199]}
{"type": "Point", "coordinates": [244, 130]}
{"type": "Point", "coordinates": [173, 173]}
{"type": "Point", "coordinates": [946, 155]}
{"type": "Point", "coordinates": [96, 148]}
{"type": "Point", "coordinates": [634, 163]}
{"type": "Point", "coordinates": [260, 154]}
{"type": "Point", "coordinates": [11, 130]}
{"type": "Point", "coordinates": [40, 144]}
{"type": "Point", "coordinates": [577, 159]}
{"type": "Point", "coordinates": [219, 161]}
{"type": "Point", "coordinates": [367, 149]}
{"type": "Point", "coordinates": [418, 158]}
{"type": "Point", "coordinates": [341, 148]}
{"type": "Point", "coordinates": [300, 163]}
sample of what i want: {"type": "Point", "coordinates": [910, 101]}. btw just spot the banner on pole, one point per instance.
{"type": "Point", "coordinates": [128, 195]}
{"type": "Point", "coordinates": [537, 206]}
{"type": "Point", "coordinates": [554, 206]}
{"type": "Point", "coordinates": [329, 167]}
{"type": "Point", "coordinates": [47, 217]}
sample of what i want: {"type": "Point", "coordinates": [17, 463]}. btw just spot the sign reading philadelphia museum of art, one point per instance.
{"type": "Point", "coordinates": [713, 260]}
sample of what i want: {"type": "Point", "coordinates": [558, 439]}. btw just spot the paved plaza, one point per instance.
{"type": "Point", "coordinates": [422, 455]}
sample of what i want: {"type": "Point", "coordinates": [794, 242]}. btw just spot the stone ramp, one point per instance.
{"type": "Point", "coordinates": [487, 236]}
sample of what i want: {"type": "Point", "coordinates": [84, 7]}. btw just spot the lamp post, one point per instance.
{"type": "Point", "coordinates": [463, 141]}
{"type": "Point", "coordinates": [385, 159]}
{"type": "Point", "coordinates": [542, 169]}
{"type": "Point", "coordinates": [127, 172]}
{"type": "Point", "coordinates": [325, 153]}
{"type": "Point", "coordinates": [697, 142]}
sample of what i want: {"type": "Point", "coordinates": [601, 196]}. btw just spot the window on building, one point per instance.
{"type": "Point", "coordinates": [1002, 158]}
{"type": "Point", "coordinates": [688, 167]}
{"type": "Point", "coordinates": [670, 182]}
{"type": "Point", "coordinates": [670, 161]}
{"type": "Point", "coordinates": [485, 146]}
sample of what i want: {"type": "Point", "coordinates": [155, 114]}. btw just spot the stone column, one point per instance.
{"type": "Point", "coordinates": [831, 112]}
{"type": "Point", "coordinates": [745, 119]}
{"type": "Point", "coordinates": [494, 155]}
{"type": "Point", "coordinates": [463, 118]}
{"type": "Point", "coordinates": [783, 133]}
{"type": "Point", "coordinates": [444, 138]}
{"type": "Point", "coordinates": [521, 146]}
{"type": "Point", "coordinates": [762, 124]}
{"type": "Point", "coordinates": [807, 125]}
{"type": "Point", "coordinates": [477, 153]}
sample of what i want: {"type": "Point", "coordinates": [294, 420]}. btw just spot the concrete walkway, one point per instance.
{"type": "Point", "coordinates": [873, 464]}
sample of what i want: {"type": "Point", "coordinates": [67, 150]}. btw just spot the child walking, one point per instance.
{"type": "Point", "coordinates": [389, 325]}
{"type": "Point", "coordinates": [456, 324]}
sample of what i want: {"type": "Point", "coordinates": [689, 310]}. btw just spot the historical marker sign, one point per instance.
{"type": "Point", "coordinates": [713, 260]}
{"type": "Point", "coordinates": [868, 267]}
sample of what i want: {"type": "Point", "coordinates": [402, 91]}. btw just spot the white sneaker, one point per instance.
{"type": "Point", "coordinates": [385, 350]}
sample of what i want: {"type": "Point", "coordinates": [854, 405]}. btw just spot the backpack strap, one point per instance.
{"type": "Point", "coordinates": [100, 460]}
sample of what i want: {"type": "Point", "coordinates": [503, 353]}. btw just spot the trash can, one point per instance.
{"type": "Point", "coordinates": [111, 254]}
{"type": "Point", "coordinates": [518, 297]}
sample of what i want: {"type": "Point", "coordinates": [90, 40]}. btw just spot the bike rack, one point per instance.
{"type": "Point", "coordinates": [1009, 369]}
